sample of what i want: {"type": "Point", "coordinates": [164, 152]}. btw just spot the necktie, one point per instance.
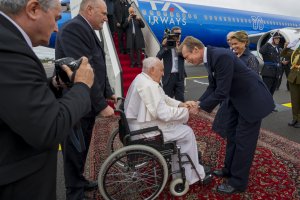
{"type": "Point", "coordinates": [133, 29]}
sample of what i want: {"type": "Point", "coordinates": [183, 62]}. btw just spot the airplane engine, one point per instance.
{"type": "Point", "coordinates": [288, 35]}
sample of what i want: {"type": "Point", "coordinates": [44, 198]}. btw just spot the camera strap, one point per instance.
{"type": "Point", "coordinates": [73, 76]}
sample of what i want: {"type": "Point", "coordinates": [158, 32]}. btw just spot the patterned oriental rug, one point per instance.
{"type": "Point", "coordinates": [275, 172]}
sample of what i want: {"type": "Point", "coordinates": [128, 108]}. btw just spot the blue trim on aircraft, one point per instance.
{"type": "Point", "coordinates": [209, 24]}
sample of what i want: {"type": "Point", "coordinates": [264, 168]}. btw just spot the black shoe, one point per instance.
{"type": "Point", "coordinates": [297, 125]}
{"type": "Point", "coordinates": [293, 122]}
{"type": "Point", "coordinates": [207, 169]}
{"type": "Point", "coordinates": [227, 189]}
{"type": "Point", "coordinates": [207, 179]}
{"type": "Point", "coordinates": [220, 173]}
{"type": "Point", "coordinates": [91, 185]}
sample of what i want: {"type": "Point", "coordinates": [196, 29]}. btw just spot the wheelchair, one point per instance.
{"type": "Point", "coordinates": [140, 168]}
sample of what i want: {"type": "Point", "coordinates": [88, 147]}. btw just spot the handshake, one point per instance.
{"type": "Point", "coordinates": [192, 106]}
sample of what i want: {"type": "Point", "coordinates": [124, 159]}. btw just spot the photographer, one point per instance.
{"type": "Point", "coordinates": [174, 71]}
{"type": "Point", "coordinates": [135, 39]}
{"type": "Point", "coordinates": [77, 37]}
{"type": "Point", "coordinates": [32, 120]}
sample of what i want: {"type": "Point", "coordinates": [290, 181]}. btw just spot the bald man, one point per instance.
{"type": "Point", "coordinates": [75, 39]}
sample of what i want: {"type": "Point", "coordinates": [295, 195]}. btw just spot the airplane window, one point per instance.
{"type": "Point", "coordinates": [249, 21]}
{"type": "Point", "coordinates": [229, 19]}
{"type": "Point", "coordinates": [210, 18]}
{"type": "Point", "coordinates": [225, 19]}
{"type": "Point", "coordinates": [195, 16]}
{"type": "Point", "coordinates": [183, 15]}
{"type": "Point", "coordinates": [171, 14]}
{"type": "Point", "coordinates": [165, 13]}
{"type": "Point", "coordinates": [233, 19]}
{"type": "Point", "coordinates": [245, 20]}
{"type": "Point", "coordinates": [189, 16]}
{"type": "Point", "coordinates": [242, 20]}
{"type": "Point", "coordinates": [220, 18]}
{"type": "Point", "coordinates": [151, 12]}
{"type": "Point", "coordinates": [177, 14]}
{"type": "Point", "coordinates": [158, 13]}
{"type": "Point", "coordinates": [205, 17]}
{"type": "Point", "coordinates": [237, 20]}
{"type": "Point", "coordinates": [215, 18]}
{"type": "Point", "coordinates": [144, 12]}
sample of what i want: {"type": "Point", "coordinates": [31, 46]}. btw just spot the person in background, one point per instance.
{"type": "Point", "coordinates": [294, 82]}
{"type": "Point", "coordinates": [121, 14]}
{"type": "Point", "coordinates": [77, 37]}
{"type": "Point", "coordinates": [110, 15]}
{"type": "Point", "coordinates": [271, 70]}
{"type": "Point", "coordinates": [285, 55]}
{"type": "Point", "coordinates": [135, 39]}
{"type": "Point", "coordinates": [147, 105]}
{"type": "Point", "coordinates": [32, 120]}
{"type": "Point", "coordinates": [239, 43]}
{"type": "Point", "coordinates": [249, 102]}
{"type": "Point", "coordinates": [174, 71]}
{"type": "Point", "coordinates": [228, 39]}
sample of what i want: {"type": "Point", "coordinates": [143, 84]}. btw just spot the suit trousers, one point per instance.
{"type": "Point", "coordinates": [74, 161]}
{"type": "Point", "coordinates": [242, 138]}
{"type": "Point", "coordinates": [134, 49]}
{"type": "Point", "coordinates": [295, 99]}
{"type": "Point", "coordinates": [175, 87]}
{"type": "Point", "coordinates": [271, 83]}
{"type": "Point", "coordinates": [38, 185]}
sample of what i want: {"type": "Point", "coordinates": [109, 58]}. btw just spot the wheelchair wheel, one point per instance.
{"type": "Point", "coordinates": [133, 180]}
{"type": "Point", "coordinates": [177, 188]}
{"type": "Point", "coordinates": [114, 142]}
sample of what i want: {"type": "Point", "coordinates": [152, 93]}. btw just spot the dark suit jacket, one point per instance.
{"type": "Point", "coordinates": [77, 39]}
{"type": "Point", "coordinates": [230, 78]}
{"type": "Point", "coordinates": [271, 57]}
{"type": "Point", "coordinates": [121, 12]}
{"type": "Point", "coordinates": [139, 38]}
{"type": "Point", "coordinates": [166, 55]}
{"type": "Point", "coordinates": [32, 121]}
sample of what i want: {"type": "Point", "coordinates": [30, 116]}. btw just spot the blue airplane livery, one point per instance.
{"type": "Point", "coordinates": [210, 24]}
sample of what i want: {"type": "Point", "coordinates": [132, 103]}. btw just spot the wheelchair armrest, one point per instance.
{"type": "Point", "coordinates": [146, 130]}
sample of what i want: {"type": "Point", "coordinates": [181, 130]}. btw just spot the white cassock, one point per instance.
{"type": "Point", "coordinates": [147, 105]}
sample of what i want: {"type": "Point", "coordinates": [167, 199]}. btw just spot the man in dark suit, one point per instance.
{"type": "Point", "coordinates": [135, 39]}
{"type": "Point", "coordinates": [121, 14]}
{"type": "Point", "coordinates": [76, 38]}
{"type": "Point", "coordinates": [32, 120]}
{"type": "Point", "coordinates": [174, 71]}
{"type": "Point", "coordinates": [249, 102]}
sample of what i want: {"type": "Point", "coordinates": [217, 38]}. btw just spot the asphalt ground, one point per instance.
{"type": "Point", "coordinates": [196, 84]}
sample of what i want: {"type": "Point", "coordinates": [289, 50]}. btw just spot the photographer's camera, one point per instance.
{"type": "Point", "coordinates": [72, 64]}
{"type": "Point", "coordinates": [172, 38]}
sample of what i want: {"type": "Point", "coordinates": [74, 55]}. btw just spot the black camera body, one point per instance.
{"type": "Point", "coordinates": [71, 63]}
{"type": "Point", "coordinates": [171, 38]}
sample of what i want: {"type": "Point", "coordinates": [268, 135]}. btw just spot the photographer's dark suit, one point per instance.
{"type": "Point", "coordinates": [77, 39]}
{"type": "Point", "coordinates": [135, 41]}
{"type": "Point", "coordinates": [249, 102]}
{"type": "Point", "coordinates": [32, 120]}
{"type": "Point", "coordinates": [173, 83]}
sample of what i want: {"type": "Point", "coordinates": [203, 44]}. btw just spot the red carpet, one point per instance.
{"type": "Point", "coordinates": [275, 173]}
{"type": "Point", "coordinates": [128, 73]}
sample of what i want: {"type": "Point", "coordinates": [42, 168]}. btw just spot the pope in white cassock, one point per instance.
{"type": "Point", "coordinates": [147, 105]}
